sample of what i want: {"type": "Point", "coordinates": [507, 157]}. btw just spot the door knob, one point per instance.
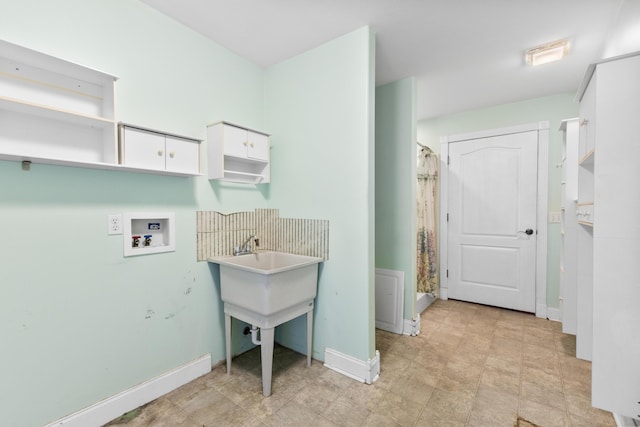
{"type": "Point", "coordinates": [528, 232]}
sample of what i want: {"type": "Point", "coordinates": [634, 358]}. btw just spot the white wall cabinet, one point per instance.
{"type": "Point", "coordinates": [55, 111]}
{"type": "Point", "coordinates": [611, 94]}
{"type": "Point", "coordinates": [238, 154]}
{"type": "Point", "coordinates": [150, 150]}
{"type": "Point", "coordinates": [569, 226]}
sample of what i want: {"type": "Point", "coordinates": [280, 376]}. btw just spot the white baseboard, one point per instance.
{"type": "Point", "coordinates": [112, 407]}
{"type": "Point", "coordinates": [541, 310]}
{"type": "Point", "coordinates": [411, 327]}
{"type": "Point", "coordinates": [444, 293]}
{"type": "Point", "coordinates": [365, 372]}
{"type": "Point", "coordinates": [423, 301]}
{"type": "Point", "coordinates": [554, 314]}
{"type": "Point", "coordinates": [622, 421]}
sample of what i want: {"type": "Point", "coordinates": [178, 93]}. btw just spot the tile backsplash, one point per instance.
{"type": "Point", "coordinates": [218, 233]}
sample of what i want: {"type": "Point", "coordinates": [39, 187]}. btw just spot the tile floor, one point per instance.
{"type": "Point", "coordinates": [471, 365]}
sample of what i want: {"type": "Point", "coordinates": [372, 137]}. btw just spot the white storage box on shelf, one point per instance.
{"type": "Point", "coordinates": [238, 154]}
{"type": "Point", "coordinates": [55, 111]}
{"type": "Point", "coordinates": [148, 150]}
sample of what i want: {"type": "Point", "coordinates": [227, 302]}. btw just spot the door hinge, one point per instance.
{"type": "Point", "coordinates": [447, 216]}
{"type": "Point", "coordinates": [448, 159]}
{"type": "Point", "coordinates": [447, 272]}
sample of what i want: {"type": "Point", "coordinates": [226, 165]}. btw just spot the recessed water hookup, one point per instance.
{"type": "Point", "coordinates": [148, 233]}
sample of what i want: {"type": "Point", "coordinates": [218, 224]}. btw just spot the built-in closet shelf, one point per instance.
{"type": "Point", "coordinates": [569, 225]}
{"type": "Point", "coordinates": [46, 112]}
{"type": "Point", "coordinates": [585, 213]}
{"type": "Point", "coordinates": [588, 159]}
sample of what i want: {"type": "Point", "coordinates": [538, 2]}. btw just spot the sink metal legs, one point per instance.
{"type": "Point", "coordinates": [267, 332]}
{"type": "Point", "coordinates": [227, 340]}
{"type": "Point", "coordinates": [309, 336]}
{"type": "Point", "coordinates": [266, 357]}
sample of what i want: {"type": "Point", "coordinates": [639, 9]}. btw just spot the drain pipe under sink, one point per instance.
{"type": "Point", "coordinates": [254, 335]}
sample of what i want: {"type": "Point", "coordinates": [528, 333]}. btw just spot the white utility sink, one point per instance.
{"type": "Point", "coordinates": [266, 283]}
{"type": "Point", "coordinates": [266, 289]}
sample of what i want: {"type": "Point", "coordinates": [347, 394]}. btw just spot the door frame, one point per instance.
{"type": "Point", "coordinates": [542, 204]}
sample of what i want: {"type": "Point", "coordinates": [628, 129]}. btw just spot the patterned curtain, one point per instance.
{"type": "Point", "coordinates": [428, 165]}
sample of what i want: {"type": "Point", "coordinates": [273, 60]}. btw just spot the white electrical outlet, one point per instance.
{"type": "Point", "coordinates": [114, 224]}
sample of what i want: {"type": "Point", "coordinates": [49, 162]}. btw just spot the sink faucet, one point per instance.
{"type": "Point", "coordinates": [245, 248]}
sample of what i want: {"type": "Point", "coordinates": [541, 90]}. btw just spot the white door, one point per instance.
{"type": "Point", "coordinates": [492, 220]}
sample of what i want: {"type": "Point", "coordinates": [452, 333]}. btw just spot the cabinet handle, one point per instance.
{"type": "Point", "coordinates": [171, 154]}
{"type": "Point", "coordinates": [245, 143]}
{"type": "Point", "coordinates": [251, 145]}
{"type": "Point", "coordinates": [160, 152]}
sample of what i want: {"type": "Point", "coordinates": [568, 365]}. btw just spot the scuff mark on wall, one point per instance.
{"type": "Point", "coordinates": [175, 313]}
{"type": "Point", "coordinates": [149, 314]}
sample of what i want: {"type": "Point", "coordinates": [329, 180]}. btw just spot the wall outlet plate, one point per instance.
{"type": "Point", "coordinates": [554, 217]}
{"type": "Point", "coordinates": [114, 224]}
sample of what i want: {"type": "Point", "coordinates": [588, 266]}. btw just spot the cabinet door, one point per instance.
{"type": "Point", "coordinates": [258, 147]}
{"type": "Point", "coordinates": [235, 141]}
{"type": "Point", "coordinates": [182, 155]}
{"type": "Point", "coordinates": [143, 149]}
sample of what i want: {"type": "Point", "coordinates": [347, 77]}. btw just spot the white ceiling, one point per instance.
{"type": "Point", "coordinates": [465, 54]}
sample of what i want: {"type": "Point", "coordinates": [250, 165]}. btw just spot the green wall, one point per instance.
{"type": "Point", "coordinates": [553, 109]}
{"type": "Point", "coordinates": [320, 110]}
{"type": "Point", "coordinates": [396, 184]}
{"type": "Point", "coordinates": [78, 321]}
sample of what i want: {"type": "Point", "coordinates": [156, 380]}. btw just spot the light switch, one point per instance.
{"type": "Point", "coordinates": [554, 217]}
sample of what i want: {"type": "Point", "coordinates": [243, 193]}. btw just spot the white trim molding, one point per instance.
{"type": "Point", "coordinates": [389, 306]}
{"type": "Point", "coordinates": [622, 421]}
{"type": "Point", "coordinates": [542, 203]}
{"type": "Point", "coordinates": [554, 314]}
{"type": "Point", "coordinates": [411, 327]}
{"type": "Point", "coordinates": [541, 310]}
{"type": "Point", "coordinates": [112, 407]}
{"type": "Point", "coordinates": [365, 372]}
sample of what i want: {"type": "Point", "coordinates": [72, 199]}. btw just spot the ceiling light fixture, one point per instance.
{"type": "Point", "coordinates": [549, 52]}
